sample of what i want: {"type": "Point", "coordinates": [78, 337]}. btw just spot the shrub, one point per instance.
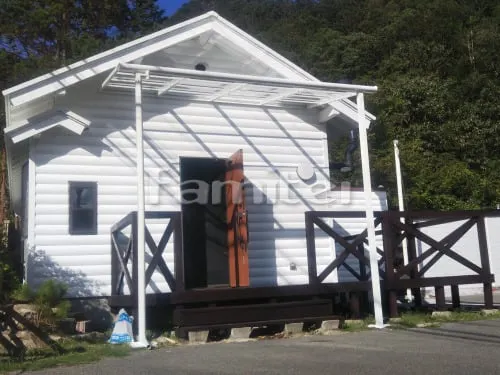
{"type": "Point", "coordinates": [48, 302]}
{"type": "Point", "coordinates": [23, 294]}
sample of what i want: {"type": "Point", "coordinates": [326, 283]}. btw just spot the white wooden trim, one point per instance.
{"type": "Point", "coordinates": [102, 62]}
{"type": "Point", "coordinates": [31, 194]}
{"type": "Point", "coordinates": [348, 108]}
{"type": "Point", "coordinates": [141, 242]}
{"type": "Point", "coordinates": [66, 119]}
{"type": "Point", "coordinates": [327, 114]}
{"type": "Point", "coordinates": [8, 143]}
{"type": "Point", "coordinates": [109, 53]}
{"type": "Point", "coordinates": [92, 69]}
{"type": "Point", "coordinates": [297, 71]}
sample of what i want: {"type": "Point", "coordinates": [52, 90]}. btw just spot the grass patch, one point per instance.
{"type": "Point", "coordinates": [420, 319]}
{"type": "Point", "coordinates": [357, 325]}
{"type": "Point", "coordinates": [415, 319]}
{"type": "Point", "coordinates": [75, 352]}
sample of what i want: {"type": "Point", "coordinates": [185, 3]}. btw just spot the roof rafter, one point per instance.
{"type": "Point", "coordinates": [332, 99]}
{"type": "Point", "coordinates": [281, 95]}
{"type": "Point", "coordinates": [209, 86]}
{"type": "Point", "coordinates": [226, 91]}
{"type": "Point", "coordinates": [168, 86]}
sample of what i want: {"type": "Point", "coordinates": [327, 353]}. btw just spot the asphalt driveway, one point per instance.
{"type": "Point", "coordinates": [458, 348]}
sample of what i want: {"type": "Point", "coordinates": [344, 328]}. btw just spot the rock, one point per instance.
{"type": "Point", "coordinates": [294, 328]}
{"type": "Point", "coordinates": [26, 311]}
{"type": "Point", "coordinates": [198, 337]}
{"type": "Point", "coordinates": [329, 325]}
{"type": "Point", "coordinates": [29, 340]}
{"type": "Point", "coordinates": [240, 333]}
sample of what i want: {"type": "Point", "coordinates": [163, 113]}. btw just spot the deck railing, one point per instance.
{"type": "Point", "coordinates": [394, 227]}
{"type": "Point", "coordinates": [352, 245]}
{"type": "Point", "coordinates": [409, 225]}
{"type": "Point", "coordinates": [124, 261]}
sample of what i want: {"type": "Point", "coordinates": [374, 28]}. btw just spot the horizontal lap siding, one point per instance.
{"type": "Point", "coordinates": [493, 233]}
{"type": "Point", "coordinates": [274, 143]}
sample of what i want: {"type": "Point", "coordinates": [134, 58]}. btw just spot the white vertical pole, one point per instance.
{"type": "Point", "coordinates": [367, 187]}
{"type": "Point", "coordinates": [141, 221]}
{"type": "Point", "coordinates": [401, 205]}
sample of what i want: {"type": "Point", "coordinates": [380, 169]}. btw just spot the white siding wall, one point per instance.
{"type": "Point", "coordinates": [493, 234]}
{"type": "Point", "coordinates": [274, 141]}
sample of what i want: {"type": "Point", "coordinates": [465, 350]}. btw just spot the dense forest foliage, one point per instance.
{"type": "Point", "coordinates": [435, 62]}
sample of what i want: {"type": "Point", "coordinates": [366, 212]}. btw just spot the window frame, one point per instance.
{"type": "Point", "coordinates": [93, 187]}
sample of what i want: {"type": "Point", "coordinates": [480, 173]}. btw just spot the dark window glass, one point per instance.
{"type": "Point", "coordinates": [83, 208]}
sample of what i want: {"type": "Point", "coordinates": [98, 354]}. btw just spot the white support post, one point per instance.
{"type": "Point", "coordinates": [401, 205]}
{"type": "Point", "coordinates": [141, 221]}
{"type": "Point", "coordinates": [367, 187]}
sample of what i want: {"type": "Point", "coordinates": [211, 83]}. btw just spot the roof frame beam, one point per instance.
{"type": "Point", "coordinates": [280, 95]}
{"type": "Point", "coordinates": [163, 90]}
{"type": "Point", "coordinates": [348, 89]}
{"type": "Point", "coordinates": [226, 91]}
{"type": "Point", "coordinates": [331, 99]}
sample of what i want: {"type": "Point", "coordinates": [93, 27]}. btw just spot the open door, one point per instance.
{"type": "Point", "coordinates": [237, 222]}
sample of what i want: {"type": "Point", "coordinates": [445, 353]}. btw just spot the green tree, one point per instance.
{"type": "Point", "coordinates": [436, 63]}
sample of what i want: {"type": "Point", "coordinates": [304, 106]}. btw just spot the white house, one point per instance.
{"type": "Point", "coordinates": [204, 89]}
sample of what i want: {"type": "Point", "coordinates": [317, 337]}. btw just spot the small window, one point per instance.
{"type": "Point", "coordinates": [83, 208]}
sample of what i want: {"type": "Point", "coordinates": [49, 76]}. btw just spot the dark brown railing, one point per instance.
{"type": "Point", "coordinates": [352, 245]}
{"type": "Point", "coordinates": [395, 227]}
{"type": "Point", "coordinates": [413, 275]}
{"type": "Point", "coordinates": [124, 253]}
{"type": "Point", "coordinates": [356, 292]}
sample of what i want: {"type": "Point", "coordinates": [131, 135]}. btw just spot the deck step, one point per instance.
{"type": "Point", "coordinates": [252, 314]}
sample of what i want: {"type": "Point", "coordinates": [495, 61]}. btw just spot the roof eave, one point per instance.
{"type": "Point", "coordinates": [106, 54]}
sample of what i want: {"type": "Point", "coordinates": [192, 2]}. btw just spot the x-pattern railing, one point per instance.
{"type": "Point", "coordinates": [122, 256]}
{"type": "Point", "coordinates": [351, 244]}
{"type": "Point", "coordinates": [409, 226]}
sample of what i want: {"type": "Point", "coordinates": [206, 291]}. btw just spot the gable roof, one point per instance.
{"type": "Point", "coordinates": [60, 79]}
{"type": "Point", "coordinates": [64, 77]}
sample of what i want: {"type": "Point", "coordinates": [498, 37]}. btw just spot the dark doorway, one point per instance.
{"type": "Point", "coordinates": [204, 222]}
